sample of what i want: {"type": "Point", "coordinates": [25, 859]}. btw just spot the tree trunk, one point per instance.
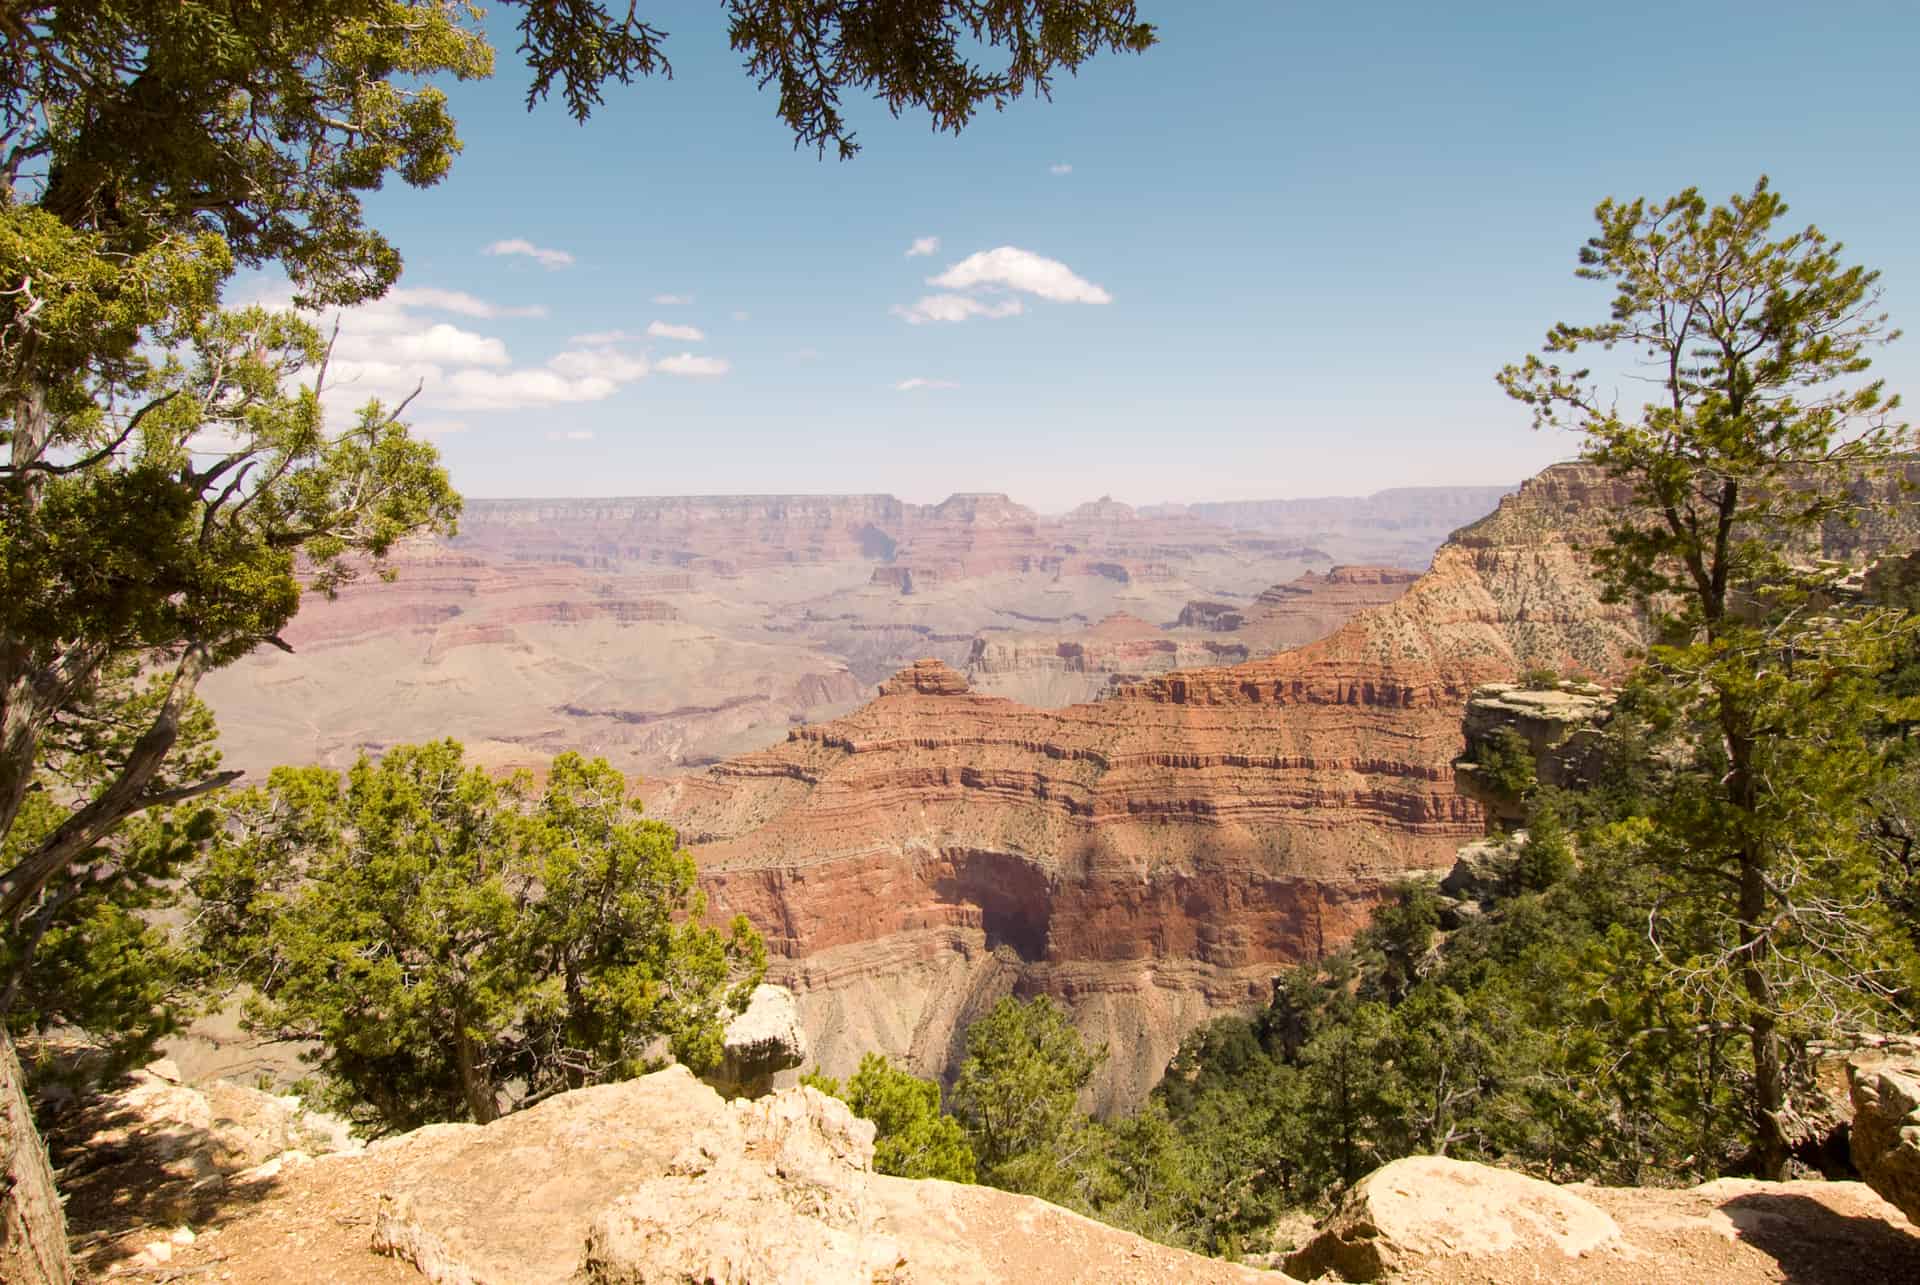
{"type": "Point", "coordinates": [1769, 1067]}
{"type": "Point", "coordinates": [33, 1226]}
{"type": "Point", "coordinates": [477, 1086]}
{"type": "Point", "coordinates": [1756, 945]}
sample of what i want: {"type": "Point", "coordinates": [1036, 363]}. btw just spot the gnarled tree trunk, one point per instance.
{"type": "Point", "coordinates": [33, 1226]}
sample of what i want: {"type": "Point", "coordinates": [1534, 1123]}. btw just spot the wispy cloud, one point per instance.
{"type": "Point", "coordinates": [1059, 168]}
{"type": "Point", "coordinates": [954, 307]}
{"type": "Point", "coordinates": [520, 389]}
{"type": "Point", "coordinates": [571, 435]}
{"type": "Point", "coordinates": [442, 427]}
{"type": "Point", "coordinates": [923, 245]}
{"type": "Point", "coordinates": [458, 302]}
{"type": "Point", "coordinates": [598, 363]}
{"type": "Point", "coordinates": [688, 364]}
{"type": "Point", "coordinates": [672, 300]}
{"type": "Point", "coordinates": [916, 383]}
{"type": "Point", "coordinates": [543, 255]}
{"type": "Point", "coordinates": [667, 330]}
{"type": "Point", "coordinates": [602, 338]}
{"type": "Point", "coordinates": [741, 316]}
{"type": "Point", "coordinates": [1008, 267]}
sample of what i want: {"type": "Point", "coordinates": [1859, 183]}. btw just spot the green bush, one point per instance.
{"type": "Point", "coordinates": [1505, 760]}
{"type": "Point", "coordinates": [912, 1139]}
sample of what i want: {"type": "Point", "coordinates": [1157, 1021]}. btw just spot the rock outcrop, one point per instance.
{"type": "Point", "coordinates": [1885, 1139]}
{"type": "Point", "coordinates": [1427, 1219]}
{"type": "Point", "coordinates": [655, 1179]}
{"type": "Point", "coordinates": [1560, 723]}
{"type": "Point", "coordinates": [1427, 1208]}
{"type": "Point", "coordinates": [196, 1132]}
{"type": "Point", "coordinates": [660, 1179]}
{"type": "Point", "coordinates": [764, 1039]}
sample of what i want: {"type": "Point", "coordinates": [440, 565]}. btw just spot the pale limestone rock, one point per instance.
{"type": "Point", "coordinates": [1482, 868]}
{"type": "Point", "coordinates": [773, 1191]}
{"type": "Point", "coordinates": [1885, 1139]}
{"type": "Point", "coordinates": [1427, 1208]}
{"type": "Point", "coordinates": [764, 1040]}
{"type": "Point", "coordinates": [660, 1179]}
{"type": "Point", "coordinates": [213, 1130]}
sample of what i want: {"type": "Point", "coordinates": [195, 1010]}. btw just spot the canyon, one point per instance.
{"type": "Point", "coordinates": [1152, 858]}
{"type": "Point", "coordinates": [669, 632]}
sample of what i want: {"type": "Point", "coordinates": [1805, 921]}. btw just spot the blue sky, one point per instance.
{"type": "Point", "coordinates": [1292, 249]}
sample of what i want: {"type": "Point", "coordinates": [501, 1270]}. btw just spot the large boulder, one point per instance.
{"type": "Point", "coordinates": [773, 1191]}
{"type": "Point", "coordinates": [659, 1179]}
{"type": "Point", "coordinates": [764, 1040]}
{"type": "Point", "coordinates": [1885, 1139]}
{"type": "Point", "coordinates": [1427, 1208]}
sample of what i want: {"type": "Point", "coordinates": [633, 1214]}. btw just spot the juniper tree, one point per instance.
{"type": "Point", "coordinates": [453, 943]}
{"type": "Point", "coordinates": [1756, 343]}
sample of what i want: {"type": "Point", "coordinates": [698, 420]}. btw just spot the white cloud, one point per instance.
{"type": "Point", "coordinates": [392, 346]}
{"type": "Point", "coordinates": [954, 307]}
{"type": "Point", "coordinates": [672, 300]}
{"type": "Point", "coordinates": [518, 389]}
{"type": "Point", "coordinates": [923, 245]}
{"type": "Point", "coordinates": [1010, 268]}
{"type": "Point", "coordinates": [442, 427]}
{"type": "Point", "coordinates": [454, 301]}
{"type": "Point", "coordinates": [1059, 167]}
{"type": "Point", "coordinates": [439, 342]}
{"type": "Point", "coordinates": [598, 363]}
{"type": "Point", "coordinates": [688, 364]}
{"type": "Point", "coordinates": [545, 257]}
{"type": "Point", "coordinates": [572, 435]}
{"type": "Point", "coordinates": [667, 330]}
{"type": "Point", "coordinates": [916, 383]}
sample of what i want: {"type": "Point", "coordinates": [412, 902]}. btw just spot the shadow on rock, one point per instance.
{"type": "Point", "coordinates": [1814, 1245]}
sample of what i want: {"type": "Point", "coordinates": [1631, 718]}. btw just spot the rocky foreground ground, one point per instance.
{"type": "Point", "coordinates": [660, 1179]}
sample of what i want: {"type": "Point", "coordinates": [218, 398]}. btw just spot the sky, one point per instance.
{"type": "Point", "coordinates": [1280, 254]}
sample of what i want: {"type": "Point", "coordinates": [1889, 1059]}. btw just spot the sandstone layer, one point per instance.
{"type": "Point", "coordinates": [1153, 857]}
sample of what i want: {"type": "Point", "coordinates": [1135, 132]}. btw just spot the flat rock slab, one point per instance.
{"type": "Point", "coordinates": [669, 1179]}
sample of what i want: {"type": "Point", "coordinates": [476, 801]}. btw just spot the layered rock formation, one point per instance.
{"type": "Point", "coordinates": [1153, 857]}
{"type": "Point", "coordinates": [1300, 611]}
{"type": "Point", "coordinates": [1049, 670]}
{"type": "Point", "coordinates": [1399, 524]}
{"type": "Point", "coordinates": [666, 631]}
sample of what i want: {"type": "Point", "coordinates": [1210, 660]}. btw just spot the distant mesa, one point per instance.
{"type": "Point", "coordinates": [927, 677]}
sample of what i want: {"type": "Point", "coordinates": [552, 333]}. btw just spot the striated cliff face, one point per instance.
{"type": "Point", "coordinates": [1149, 858]}
{"type": "Point", "coordinates": [1152, 857]}
{"type": "Point", "coordinates": [672, 631]}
